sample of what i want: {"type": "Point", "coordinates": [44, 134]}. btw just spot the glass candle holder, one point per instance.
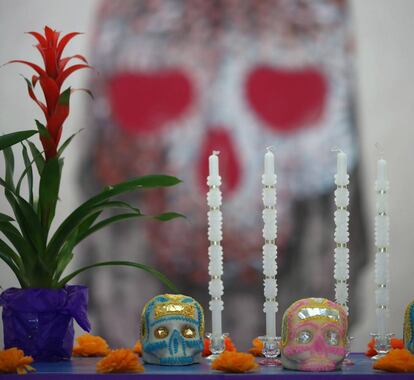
{"type": "Point", "coordinates": [271, 350]}
{"type": "Point", "coordinates": [217, 345]}
{"type": "Point", "coordinates": [382, 344]}
{"type": "Point", "coordinates": [347, 360]}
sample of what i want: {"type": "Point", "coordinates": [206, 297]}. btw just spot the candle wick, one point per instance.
{"type": "Point", "coordinates": [337, 150]}
{"type": "Point", "coordinates": [269, 148]}
{"type": "Point", "coordinates": [216, 152]}
{"type": "Point", "coordinates": [380, 149]}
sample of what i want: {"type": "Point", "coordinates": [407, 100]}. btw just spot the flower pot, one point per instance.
{"type": "Point", "coordinates": [40, 321]}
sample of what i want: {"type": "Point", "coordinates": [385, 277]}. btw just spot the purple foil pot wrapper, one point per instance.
{"type": "Point", "coordinates": [40, 321]}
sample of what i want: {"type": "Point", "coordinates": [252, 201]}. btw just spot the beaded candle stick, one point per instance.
{"type": "Point", "coordinates": [215, 253]}
{"type": "Point", "coordinates": [341, 273]}
{"type": "Point", "coordinates": [270, 341]}
{"type": "Point", "coordinates": [382, 240]}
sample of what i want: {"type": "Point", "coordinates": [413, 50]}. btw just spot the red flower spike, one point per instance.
{"type": "Point", "coordinates": [51, 92]}
{"type": "Point", "coordinates": [63, 62]}
{"type": "Point", "coordinates": [42, 40]}
{"type": "Point", "coordinates": [35, 67]}
{"type": "Point", "coordinates": [34, 80]}
{"type": "Point", "coordinates": [33, 96]}
{"type": "Point", "coordinates": [63, 42]}
{"type": "Point", "coordinates": [51, 78]}
{"type": "Point", "coordinates": [64, 74]}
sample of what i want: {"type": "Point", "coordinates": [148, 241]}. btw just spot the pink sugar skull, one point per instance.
{"type": "Point", "coordinates": [314, 334]}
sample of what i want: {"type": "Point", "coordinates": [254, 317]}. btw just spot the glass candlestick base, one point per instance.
{"type": "Point", "coordinates": [217, 345]}
{"type": "Point", "coordinates": [347, 360]}
{"type": "Point", "coordinates": [271, 350]}
{"type": "Point", "coordinates": [382, 344]}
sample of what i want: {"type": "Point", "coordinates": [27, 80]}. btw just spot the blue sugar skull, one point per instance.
{"type": "Point", "coordinates": [172, 330]}
{"type": "Point", "coordinates": [409, 327]}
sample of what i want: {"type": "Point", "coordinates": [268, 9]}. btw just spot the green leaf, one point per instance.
{"type": "Point", "coordinates": [9, 166]}
{"type": "Point", "coordinates": [67, 142]}
{"type": "Point", "coordinates": [28, 221]}
{"type": "Point", "coordinates": [21, 245]}
{"type": "Point", "coordinates": [74, 220]}
{"type": "Point", "coordinates": [49, 191]}
{"type": "Point", "coordinates": [145, 182]}
{"type": "Point", "coordinates": [106, 222]}
{"type": "Point", "coordinates": [6, 185]}
{"type": "Point", "coordinates": [166, 216]}
{"type": "Point", "coordinates": [14, 138]}
{"type": "Point", "coordinates": [13, 261]}
{"type": "Point", "coordinates": [5, 218]}
{"type": "Point", "coordinates": [24, 173]}
{"type": "Point", "coordinates": [65, 257]}
{"type": "Point", "coordinates": [15, 270]}
{"type": "Point", "coordinates": [28, 170]}
{"type": "Point", "coordinates": [43, 131]}
{"type": "Point", "coordinates": [4, 247]}
{"type": "Point", "coordinates": [37, 157]}
{"type": "Point", "coordinates": [146, 268]}
{"type": "Point", "coordinates": [64, 97]}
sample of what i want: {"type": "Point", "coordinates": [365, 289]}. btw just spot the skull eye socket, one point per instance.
{"type": "Point", "coordinates": [332, 337]}
{"type": "Point", "coordinates": [304, 337]}
{"type": "Point", "coordinates": [161, 332]}
{"type": "Point", "coordinates": [188, 332]}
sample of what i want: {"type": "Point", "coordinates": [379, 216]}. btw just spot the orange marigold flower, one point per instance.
{"type": "Point", "coordinates": [90, 345]}
{"type": "Point", "coordinates": [395, 343]}
{"type": "Point", "coordinates": [231, 361]}
{"type": "Point", "coordinates": [138, 348]}
{"type": "Point", "coordinates": [121, 360]}
{"type": "Point", "coordinates": [371, 348]}
{"type": "Point", "coordinates": [13, 360]}
{"type": "Point", "coordinates": [257, 347]}
{"type": "Point", "coordinates": [397, 360]}
{"type": "Point", "coordinates": [228, 346]}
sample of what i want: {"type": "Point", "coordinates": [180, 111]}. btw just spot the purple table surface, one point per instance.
{"type": "Point", "coordinates": [85, 368]}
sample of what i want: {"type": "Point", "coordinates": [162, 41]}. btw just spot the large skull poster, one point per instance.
{"type": "Point", "coordinates": [180, 78]}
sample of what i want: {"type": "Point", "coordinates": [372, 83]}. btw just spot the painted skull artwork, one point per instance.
{"type": "Point", "coordinates": [172, 330]}
{"type": "Point", "coordinates": [181, 78]}
{"type": "Point", "coordinates": [409, 327]}
{"type": "Point", "coordinates": [314, 335]}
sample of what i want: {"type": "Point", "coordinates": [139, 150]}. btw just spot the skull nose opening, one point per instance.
{"type": "Point", "coordinates": [176, 344]}
{"type": "Point", "coordinates": [219, 138]}
{"type": "Point", "coordinates": [320, 345]}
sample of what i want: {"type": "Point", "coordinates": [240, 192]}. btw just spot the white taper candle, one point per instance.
{"type": "Point", "coordinates": [269, 248]}
{"type": "Point", "coordinates": [382, 245]}
{"type": "Point", "coordinates": [341, 271]}
{"type": "Point", "coordinates": [215, 251]}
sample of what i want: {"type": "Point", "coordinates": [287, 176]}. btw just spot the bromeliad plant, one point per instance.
{"type": "Point", "coordinates": [37, 256]}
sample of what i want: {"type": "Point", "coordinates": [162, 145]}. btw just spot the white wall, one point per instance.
{"type": "Point", "coordinates": [385, 62]}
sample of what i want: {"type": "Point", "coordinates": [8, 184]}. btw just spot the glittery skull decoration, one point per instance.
{"type": "Point", "coordinates": [409, 327]}
{"type": "Point", "coordinates": [314, 334]}
{"type": "Point", "coordinates": [172, 330]}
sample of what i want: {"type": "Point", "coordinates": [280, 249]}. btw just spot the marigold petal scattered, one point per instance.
{"type": "Point", "coordinates": [257, 347]}
{"type": "Point", "coordinates": [90, 345]}
{"type": "Point", "coordinates": [397, 360]}
{"type": "Point", "coordinates": [13, 360]}
{"type": "Point", "coordinates": [138, 348]}
{"type": "Point", "coordinates": [228, 346]}
{"type": "Point", "coordinates": [236, 362]}
{"type": "Point", "coordinates": [121, 360]}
